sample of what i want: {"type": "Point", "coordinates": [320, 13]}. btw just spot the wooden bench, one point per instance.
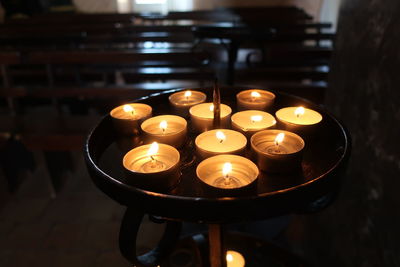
{"type": "Point", "coordinates": [74, 18]}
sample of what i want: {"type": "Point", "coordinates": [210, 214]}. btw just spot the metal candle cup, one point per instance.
{"type": "Point", "coordinates": [165, 129]}
{"type": "Point", "coordinates": [254, 99]}
{"type": "Point", "coordinates": [220, 141]}
{"type": "Point", "coordinates": [251, 121]}
{"type": "Point", "coordinates": [275, 156]}
{"type": "Point", "coordinates": [182, 101]}
{"type": "Point", "coordinates": [302, 121]}
{"type": "Point", "coordinates": [127, 118]}
{"type": "Point", "coordinates": [202, 116]}
{"type": "Point", "coordinates": [156, 170]}
{"type": "Point", "coordinates": [227, 174]}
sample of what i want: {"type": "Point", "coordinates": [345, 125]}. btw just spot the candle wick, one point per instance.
{"type": "Point", "coordinates": [298, 115]}
{"type": "Point", "coordinates": [227, 180]}
{"type": "Point", "coordinates": [152, 159]}
{"type": "Point", "coordinates": [277, 150]}
{"type": "Point", "coordinates": [221, 140]}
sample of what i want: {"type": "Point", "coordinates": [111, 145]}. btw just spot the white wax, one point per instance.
{"type": "Point", "coordinates": [208, 144]}
{"type": "Point", "coordinates": [288, 115]}
{"type": "Point", "coordinates": [243, 120]}
{"type": "Point", "coordinates": [202, 117]}
{"type": "Point", "coordinates": [154, 128]}
{"type": "Point", "coordinates": [174, 134]}
{"type": "Point", "coordinates": [139, 111]}
{"type": "Point", "coordinates": [245, 100]}
{"type": "Point", "coordinates": [203, 111]}
{"type": "Point", "coordinates": [179, 99]}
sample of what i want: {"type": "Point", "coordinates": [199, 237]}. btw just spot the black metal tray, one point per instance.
{"type": "Point", "coordinates": [324, 161]}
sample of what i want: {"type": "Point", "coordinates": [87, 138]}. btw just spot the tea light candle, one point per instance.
{"type": "Point", "coordinates": [202, 116]}
{"type": "Point", "coordinates": [251, 121]}
{"type": "Point", "coordinates": [276, 150]}
{"type": "Point", "coordinates": [153, 166]}
{"type": "Point", "coordinates": [254, 99]}
{"type": "Point", "coordinates": [227, 171]}
{"type": "Point", "coordinates": [220, 141]}
{"type": "Point", "coordinates": [300, 120]}
{"type": "Point", "coordinates": [166, 129]}
{"type": "Point", "coordinates": [234, 259]}
{"type": "Point", "coordinates": [127, 118]}
{"type": "Point", "coordinates": [182, 101]}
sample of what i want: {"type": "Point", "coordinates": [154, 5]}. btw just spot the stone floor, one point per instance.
{"type": "Point", "coordinates": [76, 227]}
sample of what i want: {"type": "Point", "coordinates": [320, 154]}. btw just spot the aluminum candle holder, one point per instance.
{"type": "Point", "coordinates": [277, 150]}
{"type": "Point", "coordinates": [153, 167]}
{"type": "Point", "coordinates": [127, 118]}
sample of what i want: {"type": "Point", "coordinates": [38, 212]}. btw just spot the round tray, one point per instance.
{"type": "Point", "coordinates": [324, 161]}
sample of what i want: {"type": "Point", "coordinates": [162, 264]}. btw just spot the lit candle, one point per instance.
{"type": "Point", "coordinates": [251, 121]}
{"type": "Point", "coordinates": [202, 116]}
{"type": "Point", "coordinates": [166, 129]}
{"type": "Point", "coordinates": [153, 166]}
{"type": "Point", "coordinates": [127, 118]}
{"type": "Point", "coordinates": [182, 101]}
{"type": "Point", "coordinates": [227, 172]}
{"type": "Point", "coordinates": [234, 259]}
{"type": "Point", "coordinates": [254, 99]}
{"type": "Point", "coordinates": [277, 150]}
{"type": "Point", "coordinates": [300, 120]}
{"type": "Point", "coordinates": [220, 141]}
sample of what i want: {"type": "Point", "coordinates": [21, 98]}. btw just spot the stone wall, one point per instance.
{"type": "Point", "coordinates": [362, 227]}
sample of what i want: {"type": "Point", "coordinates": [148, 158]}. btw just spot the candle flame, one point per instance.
{"type": "Point", "coordinates": [153, 149]}
{"type": "Point", "coordinates": [229, 257]}
{"type": "Point", "coordinates": [220, 136]}
{"type": "Point", "coordinates": [279, 138]}
{"type": "Point", "coordinates": [163, 125]}
{"type": "Point", "coordinates": [212, 107]}
{"type": "Point", "coordinates": [128, 108]}
{"type": "Point", "coordinates": [255, 94]}
{"type": "Point", "coordinates": [226, 169]}
{"type": "Point", "coordinates": [188, 94]}
{"type": "Point", "coordinates": [256, 118]}
{"type": "Point", "coordinates": [299, 111]}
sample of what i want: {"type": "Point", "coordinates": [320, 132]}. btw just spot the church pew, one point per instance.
{"type": "Point", "coordinates": [72, 18]}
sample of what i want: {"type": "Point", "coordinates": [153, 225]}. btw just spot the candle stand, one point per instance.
{"type": "Point", "coordinates": [309, 189]}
